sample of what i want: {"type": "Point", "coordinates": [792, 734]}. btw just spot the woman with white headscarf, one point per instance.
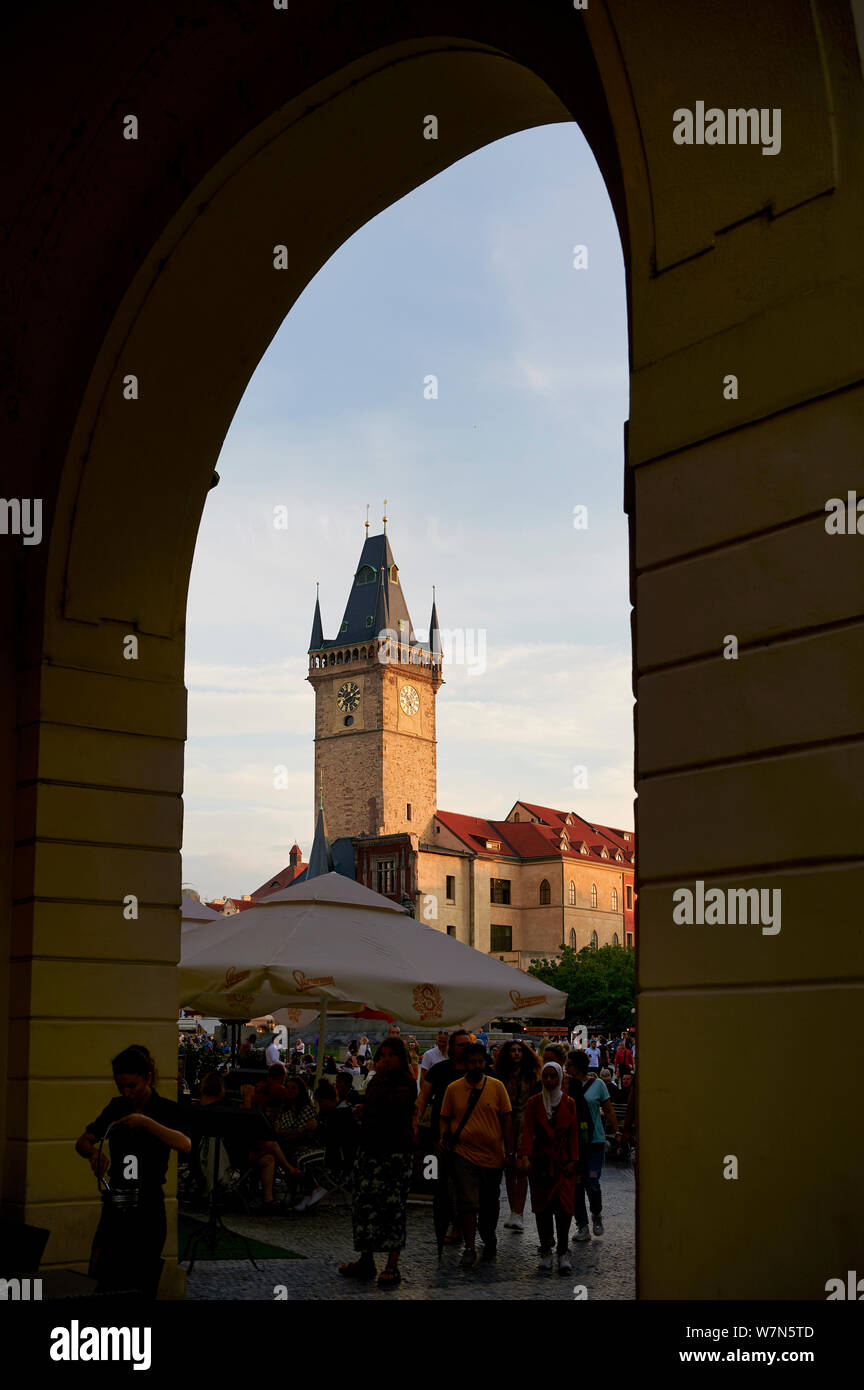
{"type": "Point", "coordinates": [549, 1154]}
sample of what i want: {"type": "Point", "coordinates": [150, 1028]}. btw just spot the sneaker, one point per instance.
{"type": "Point", "coordinates": [582, 1233]}
{"type": "Point", "coordinates": [597, 1225]}
{"type": "Point", "coordinates": [515, 1223]}
{"type": "Point", "coordinates": [469, 1257]}
{"type": "Point", "coordinates": [311, 1198]}
{"type": "Point", "coordinates": [545, 1262]}
{"type": "Point", "coordinates": [565, 1264]}
{"type": "Point", "coordinates": [490, 1251]}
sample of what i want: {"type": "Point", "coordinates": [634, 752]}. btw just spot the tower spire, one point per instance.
{"type": "Point", "coordinates": [434, 631]}
{"type": "Point", "coordinates": [367, 521]}
{"type": "Point", "coordinates": [316, 641]}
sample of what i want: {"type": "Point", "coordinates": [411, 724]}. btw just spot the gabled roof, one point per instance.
{"type": "Point", "coordinates": [280, 880]}
{"type": "Point", "coordinates": [527, 839]}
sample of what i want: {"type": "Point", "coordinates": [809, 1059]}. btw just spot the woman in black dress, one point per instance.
{"type": "Point", "coordinates": [382, 1169]}
{"type": "Point", "coordinates": [138, 1130]}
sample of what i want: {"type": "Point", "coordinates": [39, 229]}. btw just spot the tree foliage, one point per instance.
{"type": "Point", "coordinates": [600, 984]}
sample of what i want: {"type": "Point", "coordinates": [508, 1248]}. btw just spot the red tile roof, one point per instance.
{"type": "Point", "coordinates": [530, 839]}
{"type": "Point", "coordinates": [280, 880]}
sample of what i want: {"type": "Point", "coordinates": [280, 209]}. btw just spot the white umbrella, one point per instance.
{"type": "Point", "coordinates": [329, 939]}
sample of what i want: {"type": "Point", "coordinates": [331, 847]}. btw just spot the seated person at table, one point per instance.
{"type": "Point", "coordinates": [270, 1094]}
{"type": "Point", "coordinates": [297, 1122]}
{"type": "Point", "coordinates": [247, 1135]}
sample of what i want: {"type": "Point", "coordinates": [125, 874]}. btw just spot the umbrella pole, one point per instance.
{"type": "Point", "coordinates": [322, 1028]}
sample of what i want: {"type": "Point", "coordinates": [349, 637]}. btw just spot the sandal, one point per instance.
{"type": "Point", "coordinates": [357, 1270]}
{"type": "Point", "coordinates": [389, 1278]}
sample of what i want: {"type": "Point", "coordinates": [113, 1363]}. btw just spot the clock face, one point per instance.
{"type": "Point", "coordinates": [409, 699]}
{"type": "Point", "coordinates": [348, 697]}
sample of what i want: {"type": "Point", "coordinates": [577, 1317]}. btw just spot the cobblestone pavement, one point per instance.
{"type": "Point", "coordinates": [606, 1266]}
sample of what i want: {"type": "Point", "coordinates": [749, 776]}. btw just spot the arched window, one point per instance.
{"type": "Point", "coordinates": [594, 898]}
{"type": "Point", "coordinates": [354, 655]}
{"type": "Point", "coordinates": [593, 941]}
{"type": "Point", "coordinates": [615, 941]}
{"type": "Point", "coordinates": [366, 575]}
{"type": "Point", "coordinates": [614, 899]}
{"type": "Point", "coordinates": [545, 893]}
{"type": "Point", "coordinates": [339, 659]}
{"type": "Point", "coordinates": [573, 937]}
{"type": "Point", "coordinates": [515, 815]}
{"type": "Point", "coordinates": [571, 894]}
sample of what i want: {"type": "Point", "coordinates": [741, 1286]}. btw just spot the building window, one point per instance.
{"type": "Point", "coordinates": [571, 894]}
{"type": "Point", "coordinates": [366, 575]}
{"type": "Point", "coordinates": [499, 891]}
{"type": "Point", "coordinates": [593, 941]}
{"type": "Point", "coordinates": [408, 811]}
{"type": "Point", "coordinates": [615, 941]}
{"type": "Point", "coordinates": [629, 898]}
{"type": "Point", "coordinates": [516, 815]}
{"type": "Point", "coordinates": [630, 940]}
{"type": "Point", "coordinates": [573, 938]}
{"type": "Point", "coordinates": [614, 899]}
{"type": "Point", "coordinates": [385, 871]}
{"type": "Point", "coordinates": [501, 938]}
{"type": "Point", "coordinates": [451, 888]}
{"type": "Point", "coordinates": [593, 894]}
{"type": "Point", "coordinates": [545, 893]}
{"type": "Point", "coordinates": [451, 931]}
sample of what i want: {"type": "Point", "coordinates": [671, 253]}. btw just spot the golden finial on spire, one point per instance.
{"type": "Point", "coordinates": [367, 521]}
{"type": "Point", "coordinates": [384, 517]}
{"type": "Point", "coordinates": [321, 792]}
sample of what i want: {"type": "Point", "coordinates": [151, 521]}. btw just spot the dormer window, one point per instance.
{"type": "Point", "coordinates": [370, 620]}
{"type": "Point", "coordinates": [344, 627]}
{"type": "Point", "coordinates": [394, 575]}
{"type": "Point", "coordinates": [494, 845]}
{"type": "Point", "coordinates": [366, 575]}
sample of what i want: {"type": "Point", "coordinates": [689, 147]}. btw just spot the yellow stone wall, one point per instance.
{"type": "Point", "coordinates": [747, 771]}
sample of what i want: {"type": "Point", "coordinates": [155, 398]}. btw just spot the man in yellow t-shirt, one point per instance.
{"type": "Point", "coordinates": [478, 1151]}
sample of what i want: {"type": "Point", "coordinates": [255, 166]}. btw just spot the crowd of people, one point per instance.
{"type": "Point", "coordinates": [538, 1120]}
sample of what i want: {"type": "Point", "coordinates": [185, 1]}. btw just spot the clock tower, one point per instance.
{"type": "Point", "coordinates": [375, 687]}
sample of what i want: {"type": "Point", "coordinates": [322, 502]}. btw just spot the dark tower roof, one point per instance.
{"type": "Point", "coordinates": [434, 632]}
{"type": "Point", "coordinates": [375, 604]}
{"type": "Point", "coordinates": [316, 641]}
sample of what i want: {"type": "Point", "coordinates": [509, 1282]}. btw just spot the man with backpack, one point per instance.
{"type": "Point", "coordinates": [595, 1095]}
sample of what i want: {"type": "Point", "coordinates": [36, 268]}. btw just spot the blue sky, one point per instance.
{"type": "Point", "coordinates": [469, 278]}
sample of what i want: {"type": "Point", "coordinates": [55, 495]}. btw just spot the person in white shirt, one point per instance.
{"type": "Point", "coordinates": [273, 1053]}
{"type": "Point", "coordinates": [435, 1054]}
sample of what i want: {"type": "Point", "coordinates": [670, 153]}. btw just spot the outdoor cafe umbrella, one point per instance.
{"type": "Point", "coordinates": [332, 940]}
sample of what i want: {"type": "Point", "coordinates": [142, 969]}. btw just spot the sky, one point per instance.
{"type": "Point", "coordinates": [470, 279]}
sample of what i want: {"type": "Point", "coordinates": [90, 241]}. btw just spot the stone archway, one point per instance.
{"type": "Point", "coordinates": [267, 128]}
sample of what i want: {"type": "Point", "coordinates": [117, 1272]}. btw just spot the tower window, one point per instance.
{"type": "Point", "coordinates": [394, 575]}
{"type": "Point", "coordinates": [344, 627]}
{"type": "Point", "coordinates": [630, 941]}
{"type": "Point", "coordinates": [501, 938]}
{"type": "Point", "coordinates": [370, 620]}
{"type": "Point", "coordinates": [385, 873]}
{"type": "Point", "coordinates": [499, 891]}
{"type": "Point", "coordinates": [408, 811]}
{"type": "Point", "coordinates": [451, 888]}
{"type": "Point", "coordinates": [366, 575]}
{"type": "Point", "coordinates": [545, 893]}
{"type": "Point", "coordinates": [348, 721]}
{"type": "Point", "coordinates": [629, 898]}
